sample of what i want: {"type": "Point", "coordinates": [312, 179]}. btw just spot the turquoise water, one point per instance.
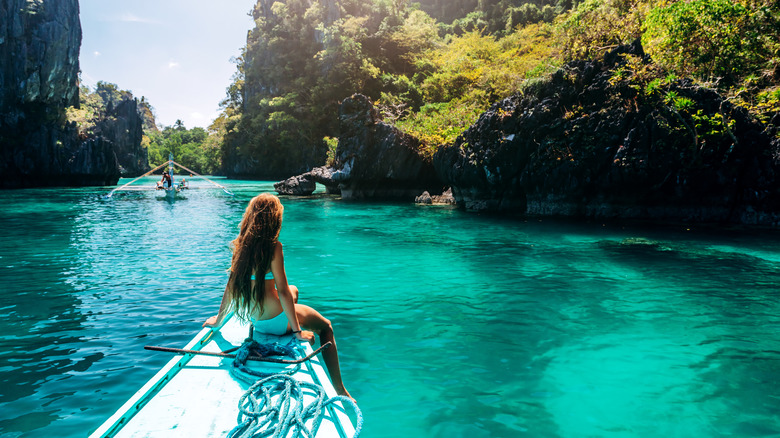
{"type": "Point", "coordinates": [449, 324]}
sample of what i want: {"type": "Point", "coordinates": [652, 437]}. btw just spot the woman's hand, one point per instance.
{"type": "Point", "coordinates": [305, 335]}
{"type": "Point", "coordinates": [211, 322]}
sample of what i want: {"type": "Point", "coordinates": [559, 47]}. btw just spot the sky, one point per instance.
{"type": "Point", "coordinates": [176, 53]}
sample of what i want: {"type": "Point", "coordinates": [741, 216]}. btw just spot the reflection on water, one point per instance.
{"type": "Point", "coordinates": [449, 324]}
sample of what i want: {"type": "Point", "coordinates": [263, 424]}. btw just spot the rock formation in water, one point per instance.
{"type": "Point", "coordinates": [593, 140]}
{"type": "Point", "coordinates": [301, 185]}
{"type": "Point", "coordinates": [305, 184]}
{"type": "Point", "coordinates": [39, 50]}
{"type": "Point", "coordinates": [445, 198]}
{"type": "Point", "coordinates": [374, 160]}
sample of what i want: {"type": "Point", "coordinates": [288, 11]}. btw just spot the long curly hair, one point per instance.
{"type": "Point", "coordinates": [253, 251]}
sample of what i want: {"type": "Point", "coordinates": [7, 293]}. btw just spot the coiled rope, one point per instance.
{"type": "Point", "coordinates": [261, 416]}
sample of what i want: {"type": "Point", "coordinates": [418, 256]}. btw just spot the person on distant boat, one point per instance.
{"type": "Point", "coordinates": [268, 301]}
{"type": "Point", "coordinates": [166, 180]}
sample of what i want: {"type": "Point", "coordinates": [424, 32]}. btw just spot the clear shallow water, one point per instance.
{"type": "Point", "coordinates": [449, 324]}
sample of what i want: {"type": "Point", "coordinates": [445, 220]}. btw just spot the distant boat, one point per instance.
{"type": "Point", "coordinates": [170, 192]}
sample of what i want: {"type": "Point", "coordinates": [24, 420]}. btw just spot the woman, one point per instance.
{"type": "Point", "coordinates": [257, 289]}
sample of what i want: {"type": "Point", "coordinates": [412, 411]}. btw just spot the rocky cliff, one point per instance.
{"type": "Point", "coordinates": [612, 138]}
{"type": "Point", "coordinates": [121, 122]}
{"type": "Point", "coordinates": [374, 160]}
{"type": "Point", "coordinates": [39, 49]}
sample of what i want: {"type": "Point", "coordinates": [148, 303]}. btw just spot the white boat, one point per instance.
{"type": "Point", "coordinates": [169, 192]}
{"type": "Point", "coordinates": [196, 395]}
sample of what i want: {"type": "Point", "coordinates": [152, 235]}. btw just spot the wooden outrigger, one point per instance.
{"type": "Point", "coordinates": [170, 192]}
{"type": "Point", "coordinates": [196, 394]}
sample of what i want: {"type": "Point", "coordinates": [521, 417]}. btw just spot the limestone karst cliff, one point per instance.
{"type": "Point", "coordinates": [373, 160]}
{"type": "Point", "coordinates": [594, 143]}
{"type": "Point", "coordinates": [39, 66]}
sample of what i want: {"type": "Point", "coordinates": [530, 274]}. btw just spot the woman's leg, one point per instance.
{"type": "Point", "coordinates": [312, 320]}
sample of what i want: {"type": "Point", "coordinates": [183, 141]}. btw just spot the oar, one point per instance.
{"type": "Point", "coordinates": [255, 358]}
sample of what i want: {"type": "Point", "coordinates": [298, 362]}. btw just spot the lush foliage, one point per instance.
{"type": "Point", "coordinates": [95, 106]}
{"type": "Point", "coordinates": [192, 148]}
{"type": "Point", "coordinates": [597, 26]}
{"type": "Point", "coordinates": [492, 16]}
{"type": "Point", "coordinates": [714, 39]}
{"type": "Point", "coordinates": [432, 79]}
{"type": "Point", "coordinates": [433, 66]}
{"type": "Point", "coordinates": [469, 73]}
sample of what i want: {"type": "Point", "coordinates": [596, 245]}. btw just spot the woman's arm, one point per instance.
{"type": "Point", "coordinates": [285, 296]}
{"type": "Point", "coordinates": [218, 319]}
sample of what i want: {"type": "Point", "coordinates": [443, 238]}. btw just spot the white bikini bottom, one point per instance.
{"type": "Point", "coordinates": [273, 326]}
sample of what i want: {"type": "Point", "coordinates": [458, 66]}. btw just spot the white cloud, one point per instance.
{"type": "Point", "coordinates": [173, 64]}
{"type": "Point", "coordinates": [132, 18]}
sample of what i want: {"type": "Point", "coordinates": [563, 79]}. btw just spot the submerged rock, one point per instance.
{"type": "Point", "coordinates": [590, 141]}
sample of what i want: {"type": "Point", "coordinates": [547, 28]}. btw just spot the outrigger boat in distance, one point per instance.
{"type": "Point", "coordinates": [171, 188]}
{"type": "Point", "coordinates": [196, 394]}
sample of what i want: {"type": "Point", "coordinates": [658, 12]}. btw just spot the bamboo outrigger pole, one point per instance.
{"type": "Point", "coordinates": [147, 173]}
{"type": "Point", "coordinates": [196, 173]}
{"type": "Point", "coordinates": [171, 162]}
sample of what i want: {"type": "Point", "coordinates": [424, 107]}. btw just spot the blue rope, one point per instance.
{"type": "Point", "coordinates": [259, 416]}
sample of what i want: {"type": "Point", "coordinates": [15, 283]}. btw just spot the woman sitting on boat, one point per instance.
{"type": "Point", "coordinates": [257, 289]}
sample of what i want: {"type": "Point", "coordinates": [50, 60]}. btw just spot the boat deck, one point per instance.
{"type": "Point", "coordinates": [195, 395]}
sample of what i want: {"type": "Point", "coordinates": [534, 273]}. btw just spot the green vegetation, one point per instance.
{"type": "Point", "coordinates": [467, 74]}
{"type": "Point", "coordinates": [96, 106]}
{"type": "Point", "coordinates": [434, 66]}
{"type": "Point", "coordinates": [713, 39]}
{"type": "Point", "coordinates": [193, 148]}
{"type": "Point", "coordinates": [432, 79]}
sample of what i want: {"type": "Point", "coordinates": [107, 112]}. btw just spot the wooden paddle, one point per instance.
{"type": "Point", "coordinates": [255, 358]}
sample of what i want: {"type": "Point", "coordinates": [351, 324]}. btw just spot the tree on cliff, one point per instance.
{"type": "Point", "coordinates": [301, 59]}
{"type": "Point", "coordinates": [434, 78]}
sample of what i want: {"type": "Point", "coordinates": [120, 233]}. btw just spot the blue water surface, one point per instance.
{"type": "Point", "coordinates": [449, 324]}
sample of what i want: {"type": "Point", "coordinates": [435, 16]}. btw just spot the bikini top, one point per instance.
{"type": "Point", "coordinates": [268, 276]}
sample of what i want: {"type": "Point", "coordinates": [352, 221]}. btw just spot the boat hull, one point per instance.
{"type": "Point", "coordinates": [195, 395]}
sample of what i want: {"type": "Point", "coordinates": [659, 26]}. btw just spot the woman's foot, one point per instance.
{"type": "Point", "coordinates": [343, 391]}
